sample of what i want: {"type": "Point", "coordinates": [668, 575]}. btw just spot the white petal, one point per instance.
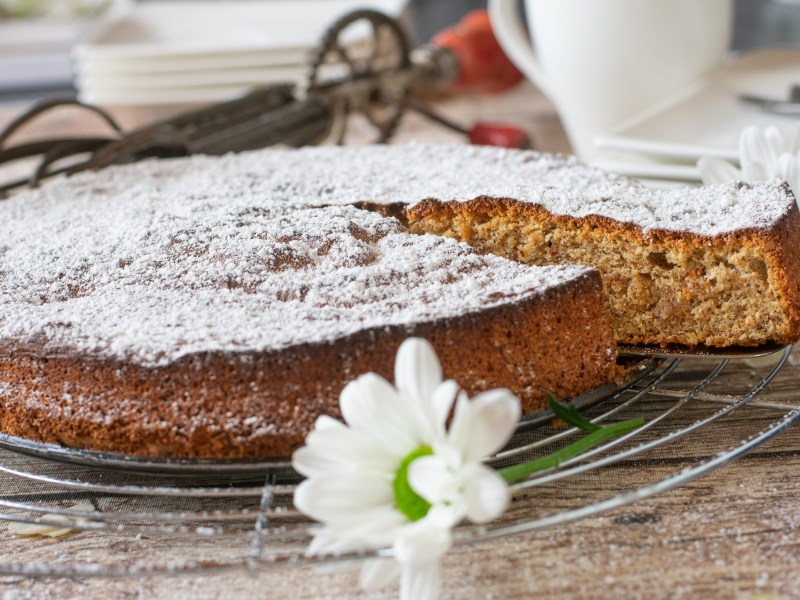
{"type": "Point", "coordinates": [313, 461]}
{"type": "Point", "coordinates": [433, 479]}
{"type": "Point", "coordinates": [758, 171]}
{"type": "Point", "coordinates": [420, 582]}
{"type": "Point", "coordinates": [420, 543]}
{"type": "Point", "coordinates": [774, 140]}
{"type": "Point", "coordinates": [376, 528]}
{"type": "Point", "coordinates": [714, 171]}
{"type": "Point", "coordinates": [784, 160]}
{"type": "Point", "coordinates": [342, 496]}
{"type": "Point", "coordinates": [442, 400]}
{"type": "Point", "coordinates": [484, 425]}
{"type": "Point", "coordinates": [460, 432]}
{"type": "Point", "coordinates": [330, 450]}
{"type": "Point", "coordinates": [417, 374]}
{"type": "Point", "coordinates": [450, 454]}
{"type": "Point", "coordinates": [417, 370]}
{"type": "Point", "coordinates": [325, 541]}
{"type": "Point", "coordinates": [418, 549]}
{"type": "Point", "coordinates": [791, 143]}
{"type": "Point", "coordinates": [372, 405]}
{"type": "Point", "coordinates": [793, 175]}
{"type": "Point", "coordinates": [378, 572]}
{"type": "Point", "coordinates": [756, 156]}
{"type": "Point", "coordinates": [329, 540]}
{"type": "Point", "coordinates": [486, 493]}
{"type": "Point", "coordinates": [446, 516]}
{"type": "Point", "coordinates": [325, 422]}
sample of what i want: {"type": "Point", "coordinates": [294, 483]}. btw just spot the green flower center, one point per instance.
{"type": "Point", "coordinates": [408, 502]}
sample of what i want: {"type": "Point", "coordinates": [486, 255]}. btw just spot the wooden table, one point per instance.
{"type": "Point", "coordinates": [732, 534]}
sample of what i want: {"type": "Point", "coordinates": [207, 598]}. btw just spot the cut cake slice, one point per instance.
{"type": "Point", "coordinates": [716, 266]}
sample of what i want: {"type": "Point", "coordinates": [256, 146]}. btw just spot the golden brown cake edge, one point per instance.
{"type": "Point", "coordinates": [263, 404]}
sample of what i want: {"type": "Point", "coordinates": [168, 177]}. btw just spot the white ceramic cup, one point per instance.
{"type": "Point", "coordinates": [602, 62]}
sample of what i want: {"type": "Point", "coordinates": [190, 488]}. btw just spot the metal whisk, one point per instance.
{"type": "Point", "coordinates": [374, 78]}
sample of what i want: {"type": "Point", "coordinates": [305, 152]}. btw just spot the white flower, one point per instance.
{"type": "Point", "coordinates": [763, 156]}
{"type": "Point", "coordinates": [395, 476]}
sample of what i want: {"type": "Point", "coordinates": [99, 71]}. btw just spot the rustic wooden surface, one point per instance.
{"type": "Point", "coordinates": [732, 534]}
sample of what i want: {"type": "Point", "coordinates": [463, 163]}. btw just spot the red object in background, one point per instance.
{"type": "Point", "coordinates": [494, 134]}
{"type": "Point", "coordinates": [483, 65]}
{"type": "Point", "coordinates": [482, 133]}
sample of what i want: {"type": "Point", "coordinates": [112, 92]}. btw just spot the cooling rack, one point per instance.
{"type": "Point", "coordinates": [700, 413]}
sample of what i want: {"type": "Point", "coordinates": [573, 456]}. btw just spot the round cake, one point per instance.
{"type": "Point", "coordinates": [215, 307]}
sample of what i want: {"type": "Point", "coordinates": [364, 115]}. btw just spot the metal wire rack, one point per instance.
{"type": "Point", "coordinates": [700, 414]}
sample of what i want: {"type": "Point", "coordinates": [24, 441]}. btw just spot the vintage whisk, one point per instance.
{"type": "Point", "coordinates": [375, 78]}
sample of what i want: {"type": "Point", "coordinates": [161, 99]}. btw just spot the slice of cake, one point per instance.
{"type": "Point", "coordinates": [176, 309]}
{"type": "Point", "coordinates": [716, 266]}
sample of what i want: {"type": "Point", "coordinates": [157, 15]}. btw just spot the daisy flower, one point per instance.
{"type": "Point", "coordinates": [394, 475]}
{"type": "Point", "coordinates": [400, 473]}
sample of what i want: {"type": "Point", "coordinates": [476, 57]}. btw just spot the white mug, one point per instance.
{"type": "Point", "coordinates": [602, 62]}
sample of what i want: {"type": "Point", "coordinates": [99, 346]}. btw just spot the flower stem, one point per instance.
{"type": "Point", "coordinates": [522, 471]}
{"type": "Point", "coordinates": [570, 415]}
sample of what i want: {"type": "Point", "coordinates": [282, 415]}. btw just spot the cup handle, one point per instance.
{"type": "Point", "coordinates": [505, 18]}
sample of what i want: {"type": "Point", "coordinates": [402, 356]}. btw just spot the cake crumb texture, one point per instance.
{"type": "Point", "coordinates": [661, 286]}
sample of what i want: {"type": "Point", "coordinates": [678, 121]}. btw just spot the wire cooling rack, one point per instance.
{"type": "Point", "coordinates": [700, 414]}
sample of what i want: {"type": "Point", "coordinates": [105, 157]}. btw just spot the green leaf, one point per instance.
{"type": "Point", "coordinates": [570, 414]}
{"type": "Point", "coordinates": [408, 502]}
{"type": "Point", "coordinates": [522, 471]}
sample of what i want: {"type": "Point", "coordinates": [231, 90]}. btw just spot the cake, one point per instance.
{"type": "Point", "coordinates": [174, 309]}
{"type": "Point", "coordinates": [215, 307]}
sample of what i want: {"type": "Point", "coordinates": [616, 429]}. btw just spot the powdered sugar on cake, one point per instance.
{"type": "Point", "coordinates": [410, 173]}
{"type": "Point", "coordinates": [134, 269]}
{"type": "Point", "coordinates": [383, 174]}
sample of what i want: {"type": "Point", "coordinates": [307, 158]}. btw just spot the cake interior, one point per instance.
{"type": "Point", "coordinates": [665, 289]}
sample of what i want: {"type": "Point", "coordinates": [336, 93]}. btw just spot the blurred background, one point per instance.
{"type": "Point", "coordinates": [148, 60]}
{"type": "Point", "coordinates": [36, 36]}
